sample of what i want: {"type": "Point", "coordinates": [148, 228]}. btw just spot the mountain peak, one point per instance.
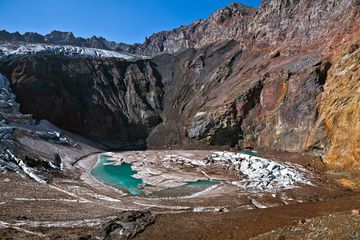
{"type": "Point", "coordinates": [58, 37]}
{"type": "Point", "coordinates": [235, 7]}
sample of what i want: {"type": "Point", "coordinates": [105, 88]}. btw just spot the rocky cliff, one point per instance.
{"type": "Point", "coordinates": [228, 23]}
{"type": "Point", "coordinates": [65, 38]}
{"type": "Point", "coordinates": [284, 76]}
{"type": "Point", "coordinates": [32, 148]}
{"type": "Point", "coordinates": [340, 107]}
{"type": "Point", "coordinates": [223, 24]}
{"type": "Point", "coordinates": [296, 22]}
{"type": "Point", "coordinates": [108, 100]}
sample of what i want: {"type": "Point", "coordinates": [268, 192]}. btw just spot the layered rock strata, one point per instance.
{"type": "Point", "coordinates": [267, 78]}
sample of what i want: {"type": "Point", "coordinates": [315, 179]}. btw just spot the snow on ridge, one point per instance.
{"type": "Point", "coordinates": [10, 49]}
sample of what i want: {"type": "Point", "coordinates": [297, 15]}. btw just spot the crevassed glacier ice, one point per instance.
{"type": "Point", "coordinates": [11, 49]}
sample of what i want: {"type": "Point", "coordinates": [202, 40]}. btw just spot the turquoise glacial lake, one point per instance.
{"type": "Point", "coordinates": [121, 177]}
{"type": "Point", "coordinates": [118, 176]}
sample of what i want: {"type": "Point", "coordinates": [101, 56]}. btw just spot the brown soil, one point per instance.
{"type": "Point", "coordinates": [241, 225]}
{"type": "Point", "coordinates": [336, 226]}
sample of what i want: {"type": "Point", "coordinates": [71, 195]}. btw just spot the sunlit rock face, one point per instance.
{"type": "Point", "coordinates": [224, 24]}
{"type": "Point", "coordinates": [298, 22]}
{"type": "Point", "coordinates": [301, 21]}
{"type": "Point", "coordinates": [260, 78]}
{"type": "Point", "coordinates": [275, 21]}
{"type": "Point", "coordinates": [340, 108]}
{"type": "Point", "coordinates": [241, 97]}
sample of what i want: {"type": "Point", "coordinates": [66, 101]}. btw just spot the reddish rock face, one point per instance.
{"type": "Point", "coordinates": [258, 78]}
{"type": "Point", "coordinates": [296, 22]}
{"type": "Point", "coordinates": [272, 94]}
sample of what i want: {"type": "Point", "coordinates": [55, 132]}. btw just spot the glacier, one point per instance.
{"type": "Point", "coordinates": [9, 50]}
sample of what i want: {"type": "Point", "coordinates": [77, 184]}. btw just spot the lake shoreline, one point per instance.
{"type": "Point", "coordinates": [87, 165]}
{"type": "Point", "coordinates": [188, 189]}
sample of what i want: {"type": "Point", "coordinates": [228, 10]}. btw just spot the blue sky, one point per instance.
{"type": "Point", "coordinates": [127, 21]}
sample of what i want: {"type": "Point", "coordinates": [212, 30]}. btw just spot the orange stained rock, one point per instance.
{"type": "Point", "coordinates": [340, 109]}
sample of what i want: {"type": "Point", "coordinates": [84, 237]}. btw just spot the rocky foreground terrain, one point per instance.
{"type": "Point", "coordinates": [283, 79]}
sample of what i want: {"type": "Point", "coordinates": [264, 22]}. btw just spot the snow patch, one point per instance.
{"type": "Point", "coordinates": [255, 173]}
{"type": "Point", "coordinates": [257, 204]}
{"type": "Point", "coordinates": [259, 173]}
{"type": "Point", "coordinates": [186, 161]}
{"type": "Point", "coordinates": [28, 170]}
{"type": "Point", "coordinates": [50, 200]}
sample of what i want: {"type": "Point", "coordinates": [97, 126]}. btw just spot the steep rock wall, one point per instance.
{"type": "Point", "coordinates": [340, 108]}
{"type": "Point", "coordinates": [297, 22]}
{"type": "Point", "coordinates": [281, 82]}
{"type": "Point", "coordinates": [111, 100]}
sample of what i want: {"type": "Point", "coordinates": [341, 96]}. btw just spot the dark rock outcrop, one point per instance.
{"type": "Point", "coordinates": [34, 148]}
{"type": "Point", "coordinates": [127, 225]}
{"type": "Point", "coordinates": [108, 100]}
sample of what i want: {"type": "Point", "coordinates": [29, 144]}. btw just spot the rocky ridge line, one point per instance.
{"type": "Point", "coordinates": [297, 22]}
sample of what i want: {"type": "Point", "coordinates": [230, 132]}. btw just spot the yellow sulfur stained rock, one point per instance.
{"type": "Point", "coordinates": [340, 109]}
{"type": "Point", "coordinates": [347, 183]}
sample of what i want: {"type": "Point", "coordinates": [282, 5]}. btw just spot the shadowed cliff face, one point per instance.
{"type": "Point", "coordinates": [111, 101]}
{"type": "Point", "coordinates": [281, 83]}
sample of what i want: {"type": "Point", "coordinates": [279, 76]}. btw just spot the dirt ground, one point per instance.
{"type": "Point", "coordinates": [250, 223]}
{"type": "Point", "coordinates": [335, 226]}
{"type": "Point", "coordinates": [71, 208]}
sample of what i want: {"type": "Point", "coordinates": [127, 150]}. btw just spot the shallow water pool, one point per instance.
{"type": "Point", "coordinates": [121, 177]}
{"type": "Point", "coordinates": [118, 176]}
